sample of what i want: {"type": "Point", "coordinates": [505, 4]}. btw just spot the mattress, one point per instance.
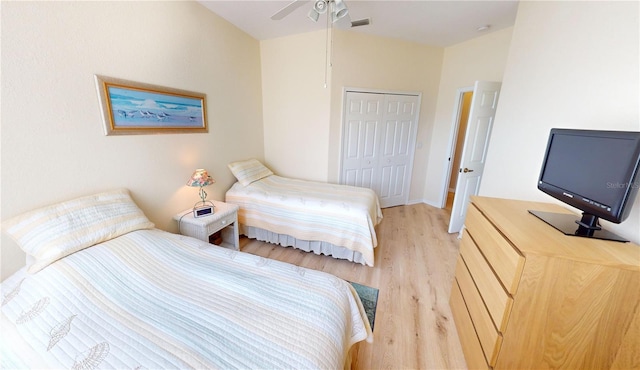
{"type": "Point", "coordinates": [151, 299]}
{"type": "Point", "coordinates": [340, 215]}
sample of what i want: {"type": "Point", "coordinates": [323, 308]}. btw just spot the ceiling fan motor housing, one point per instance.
{"type": "Point", "coordinates": [320, 6]}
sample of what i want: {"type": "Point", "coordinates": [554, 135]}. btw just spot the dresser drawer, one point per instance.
{"type": "Point", "coordinates": [223, 222]}
{"type": "Point", "coordinates": [496, 299]}
{"type": "Point", "coordinates": [470, 344]}
{"type": "Point", "coordinates": [501, 256]}
{"type": "Point", "coordinates": [490, 338]}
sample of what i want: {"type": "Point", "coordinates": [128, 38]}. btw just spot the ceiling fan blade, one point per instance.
{"type": "Point", "coordinates": [288, 9]}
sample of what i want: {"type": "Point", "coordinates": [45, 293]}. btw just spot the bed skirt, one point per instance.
{"type": "Point", "coordinates": [315, 246]}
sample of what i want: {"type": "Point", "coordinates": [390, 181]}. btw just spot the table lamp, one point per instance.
{"type": "Point", "coordinates": [201, 178]}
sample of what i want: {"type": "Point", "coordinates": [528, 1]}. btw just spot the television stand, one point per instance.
{"type": "Point", "coordinates": [574, 226]}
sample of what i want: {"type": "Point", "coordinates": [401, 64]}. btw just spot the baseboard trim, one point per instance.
{"type": "Point", "coordinates": [423, 201]}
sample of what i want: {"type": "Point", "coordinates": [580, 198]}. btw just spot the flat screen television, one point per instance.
{"type": "Point", "coordinates": [593, 171]}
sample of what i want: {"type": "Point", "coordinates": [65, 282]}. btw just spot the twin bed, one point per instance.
{"type": "Point", "coordinates": [335, 220]}
{"type": "Point", "coordinates": [104, 289]}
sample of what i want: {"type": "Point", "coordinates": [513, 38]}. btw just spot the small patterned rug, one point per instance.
{"type": "Point", "coordinates": [369, 298]}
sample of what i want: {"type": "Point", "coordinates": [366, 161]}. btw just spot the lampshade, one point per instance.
{"type": "Point", "coordinates": [313, 15]}
{"type": "Point", "coordinates": [200, 178]}
{"type": "Point", "coordinates": [339, 10]}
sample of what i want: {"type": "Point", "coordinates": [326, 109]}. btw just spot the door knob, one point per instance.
{"type": "Point", "coordinates": [467, 170]}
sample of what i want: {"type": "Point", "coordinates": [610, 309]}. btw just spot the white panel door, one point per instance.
{"type": "Point", "coordinates": [481, 115]}
{"type": "Point", "coordinates": [362, 122]}
{"type": "Point", "coordinates": [379, 133]}
{"type": "Point", "coordinates": [398, 137]}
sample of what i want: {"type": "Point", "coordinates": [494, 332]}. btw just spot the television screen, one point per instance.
{"type": "Point", "coordinates": [594, 171]}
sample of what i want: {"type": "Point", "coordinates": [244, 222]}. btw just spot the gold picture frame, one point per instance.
{"type": "Point", "coordinates": [130, 107]}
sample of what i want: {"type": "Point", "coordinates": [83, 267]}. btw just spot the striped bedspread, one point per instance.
{"type": "Point", "coordinates": [150, 299]}
{"type": "Point", "coordinates": [342, 215]}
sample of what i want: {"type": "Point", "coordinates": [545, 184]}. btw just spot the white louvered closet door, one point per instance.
{"type": "Point", "coordinates": [379, 134]}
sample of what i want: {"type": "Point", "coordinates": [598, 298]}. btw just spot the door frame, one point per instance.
{"type": "Point", "coordinates": [343, 113]}
{"type": "Point", "coordinates": [453, 135]}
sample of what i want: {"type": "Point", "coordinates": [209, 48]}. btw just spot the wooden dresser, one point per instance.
{"type": "Point", "coordinates": [526, 296]}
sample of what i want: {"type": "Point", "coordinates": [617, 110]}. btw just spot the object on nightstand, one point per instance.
{"type": "Point", "coordinates": [216, 238]}
{"type": "Point", "coordinates": [201, 178]}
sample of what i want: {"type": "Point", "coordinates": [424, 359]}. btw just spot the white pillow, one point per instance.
{"type": "Point", "coordinates": [249, 171]}
{"type": "Point", "coordinates": [53, 232]}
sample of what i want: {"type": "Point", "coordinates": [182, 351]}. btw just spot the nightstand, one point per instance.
{"type": "Point", "coordinates": [224, 219]}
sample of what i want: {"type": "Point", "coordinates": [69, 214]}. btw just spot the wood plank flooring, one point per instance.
{"type": "Point", "coordinates": [414, 268]}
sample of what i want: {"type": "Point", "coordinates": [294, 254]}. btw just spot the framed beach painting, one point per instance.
{"type": "Point", "coordinates": [137, 108]}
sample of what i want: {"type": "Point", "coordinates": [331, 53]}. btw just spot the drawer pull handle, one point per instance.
{"type": "Point", "coordinates": [224, 222]}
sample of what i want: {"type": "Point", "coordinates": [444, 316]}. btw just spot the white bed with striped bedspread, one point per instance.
{"type": "Point", "coordinates": [332, 219]}
{"type": "Point", "coordinates": [151, 299]}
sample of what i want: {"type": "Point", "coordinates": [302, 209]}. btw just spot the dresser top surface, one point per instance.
{"type": "Point", "coordinates": [530, 235]}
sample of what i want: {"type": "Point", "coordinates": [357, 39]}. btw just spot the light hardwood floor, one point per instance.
{"type": "Point", "coordinates": [414, 268]}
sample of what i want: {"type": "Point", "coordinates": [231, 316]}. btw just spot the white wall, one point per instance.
{"type": "Point", "coordinates": [572, 65]}
{"type": "Point", "coordinates": [379, 63]}
{"type": "Point", "coordinates": [296, 105]}
{"type": "Point", "coordinates": [483, 58]}
{"type": "Point", "coordinates": [52, 143]}
{"type": "Point", "coordinates": [302, 118]}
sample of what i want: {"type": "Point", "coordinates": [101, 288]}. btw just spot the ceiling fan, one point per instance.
{"type": "Point", "coordinates": [337, 12]}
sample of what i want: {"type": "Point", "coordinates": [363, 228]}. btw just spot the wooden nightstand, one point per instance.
{"type": "Point", "coordinates": [224, 219]}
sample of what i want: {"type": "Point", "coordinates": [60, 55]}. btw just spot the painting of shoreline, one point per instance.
{"type": "Point", "coordinates": [135, 108]}
{"type": "Point", "coordinates": [132, 108]}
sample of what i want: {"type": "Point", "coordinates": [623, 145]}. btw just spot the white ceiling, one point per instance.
{"type": "Point", "coordinates": [437, 23]}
